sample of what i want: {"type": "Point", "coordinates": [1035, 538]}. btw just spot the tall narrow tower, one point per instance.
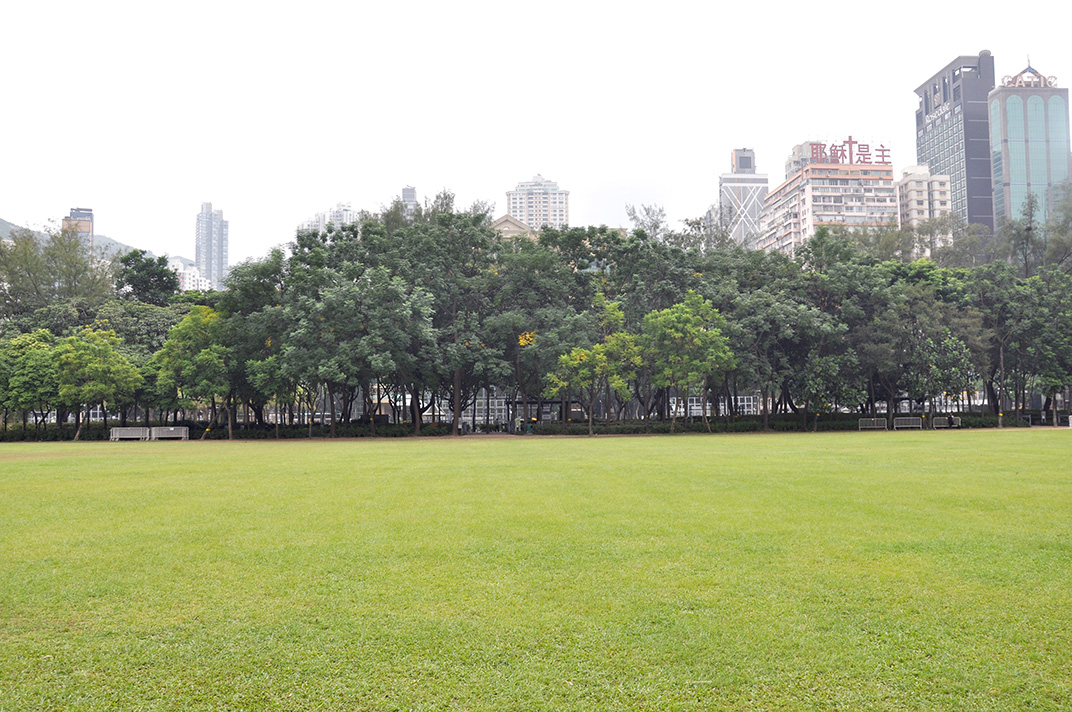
{"type": "Point", "coordinates": [211, 245]}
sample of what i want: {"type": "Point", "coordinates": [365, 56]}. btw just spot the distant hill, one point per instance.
{"type": "Point", "coordinates": [106, 245]}
{"type": "Point", "coordinates": [102, 244]}
{"type": "Point", "coordinates": [6, 228]}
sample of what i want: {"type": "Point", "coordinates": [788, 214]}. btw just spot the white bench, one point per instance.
{"type": "Point", "coordinates": [940, 422]}
{"type": "Point", "coordinates": [128, 434]}
{"type": "Point", "coordinates": [906, 422]}
{"type": "Point", "coordinates": [872, 424]}
{"type": "Point", "coordinates": [171, 433]}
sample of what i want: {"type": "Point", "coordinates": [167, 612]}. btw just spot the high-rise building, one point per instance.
{"type": "Point", "coordinates": [539, 202]}
{"type": "Point", "coordinates": [846, 184]}
{"type": "Point", "coordinates": [1029, 143]}
{"type": "Point", "coordinates": [953, 136]}
{"type": "Point", "coordinates": [80, 221]}
{"type": "Point", "coordinates": [740, 198]}
{"type": "Point", "coordinates": [409, 202]}
{"type": "Point", "coordinates": [210, 241]}
{"type": "Point", "coordinates": [922, 197]}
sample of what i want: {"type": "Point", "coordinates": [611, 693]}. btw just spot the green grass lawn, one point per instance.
{"type": "Point", "coordinates": [848, 571]}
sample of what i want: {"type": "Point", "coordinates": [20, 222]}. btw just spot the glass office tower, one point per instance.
{"type": "Point", "coordinates": [1029, 141]}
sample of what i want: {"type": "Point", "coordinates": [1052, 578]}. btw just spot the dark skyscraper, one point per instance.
{"type": "Point", "coordinates": [953, 135]}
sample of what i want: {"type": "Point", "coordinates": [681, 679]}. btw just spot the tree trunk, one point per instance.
{"type": "Point", "coordinates": [456, 427]}
{"type": "Point", "coordinates": [766, 410]}
{"type": "Point", "coordinates": [331, 401]}
{"type": "Point", "coordinates": [210, 424]}
{"type": "Point", "coordinates": [415, 409]}
{"type": "Point", "coordinates": [1001, 386]}
{"type": "Point", "coordinates": [78, 431]}
{"type": "Point", "coordinates": [703, 406]}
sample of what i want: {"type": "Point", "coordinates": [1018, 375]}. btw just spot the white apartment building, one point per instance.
{"type": "Point", "coordinates": [922, 196]}
{"type": "Point", "coordinates": [539, 202]}
{"type": "Point", "coordinates": [817, 194]}
{"type": "Point", "coordinates": [190, 279]}
{"type": "Point", "coordinates": [341, 214]}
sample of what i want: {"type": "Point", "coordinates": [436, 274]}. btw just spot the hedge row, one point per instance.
{"type": "Point", "coordinates": [740, 424]}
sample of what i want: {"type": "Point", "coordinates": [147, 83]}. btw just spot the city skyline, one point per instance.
{"type": "Point", "coordinates": [648, 118]}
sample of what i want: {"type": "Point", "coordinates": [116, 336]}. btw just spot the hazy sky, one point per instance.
{"type": "Point", "coordinates": [141, 111]}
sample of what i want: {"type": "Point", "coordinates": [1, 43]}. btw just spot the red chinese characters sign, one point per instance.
{"type": "Point", "coordinates": [850, 152]}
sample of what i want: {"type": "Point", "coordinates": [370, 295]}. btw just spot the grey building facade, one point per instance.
{"type": "Point", "coordinates": [210, 243]}
{"type": "Point", "coordinates": [740, 198]}
{"type": "Point", "coordinates": [953, 134]}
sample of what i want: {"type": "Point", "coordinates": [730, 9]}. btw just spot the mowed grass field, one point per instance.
{"type": "Point", "coordinates": [847, 571]}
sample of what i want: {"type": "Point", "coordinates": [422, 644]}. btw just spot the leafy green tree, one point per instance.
{"type": "Point", "coordinates": [142, 328]}
{"type": "Point", "coordinates": [253, 324]}
{"type": "Point", "coordinates": [145, 279]}
{"type": "Point", "coordinates": [30, 382]}
{"type": "Point", "coordinates": [775, 331]}
{"type": "Point", "coordinates": [994, 292]}
{"type": "Point", "coordinates": [36, 272]}
{"type": "Point", "coordinates": [825, 381]}
{"type": "Point", "coordinates": [1022, 241]}
{"type": "Point", "coordinates": [886, 242]}
{"type": "Point", "coordinates": [940, 364]}
{"type": "Point", "coordinates": [91, 371]}
{"type": "Point", "coordinates": [1059, 246]}
{"type": "Point", "coordinates": [588, 371]}
{"type": "Point", "coordinates": [583, 372]}
{"type": "Point", "coordinates": [192, 364]}
{"type": "Point", "coordinates": [268, 376]}
{"type": "Point", "coordinates": [684, 344]}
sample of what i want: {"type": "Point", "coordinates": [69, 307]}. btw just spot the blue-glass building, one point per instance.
{"type": "Point", "coordinates": [1029, 143]}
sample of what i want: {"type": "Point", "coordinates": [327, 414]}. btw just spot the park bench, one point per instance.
{"type": "Point", "coordinates": [128, 434]}
{"type": "Point", "coordinates": [872, 424]}
{"type": "Point", "coordinates": [940, 422]}
{"type": "Point", "coordinates": [171, 433]}
{"type": "Point", "coordinates": [908, 422]}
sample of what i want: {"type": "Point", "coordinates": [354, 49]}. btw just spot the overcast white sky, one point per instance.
{"type": "Point", "coordinates": [141, 111]}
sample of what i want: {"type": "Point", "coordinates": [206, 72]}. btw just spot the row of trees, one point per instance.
{"type": "Point", "coordinates": [428, 311]}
